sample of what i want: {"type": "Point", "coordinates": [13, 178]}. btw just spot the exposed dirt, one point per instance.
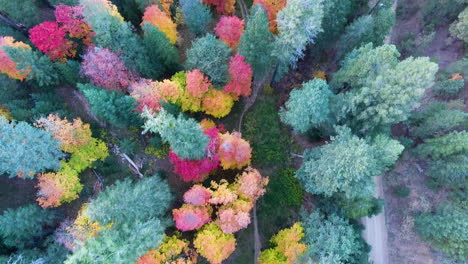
{"type": "Point", "coordinates": [404, 244]}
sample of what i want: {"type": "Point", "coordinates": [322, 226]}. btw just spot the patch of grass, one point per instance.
{"type": "Point", "coordinates": [269, 140]}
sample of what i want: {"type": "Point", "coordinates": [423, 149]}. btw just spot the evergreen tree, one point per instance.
{"type": "Point", "coordinates": [347, 164]}
{"type": "Point", "coordinates": [43, 71]}
{"type": "Point", "coordinates": [450, 172]}
{"type": "Point", "coordinates": [459, 28]}
{"type": "Point", "coordinates": [445, 229]}
{"type": "Point", "coordinates": [256, 44]}
{"type": "Point", "coordinates": [14, 97]}
{"type": "Point", "coordinates": [183, 135]}
{"type": "Point", "coordinates": [160, 49]}
{"type": "Point", "coordinates": [331, 239]}
{"type": "Point", "coordinates": [367, 29]}
{"type": "Point", "coordinates": [356, 34]}
{"type": "Point", "coordinates": [134, 216]}
{"type": "Point", "coordinates": [21, 226]}
{"type": "Point", "coordinates": [383, 91]}
{"type": "Point", "coordinates": [112, 106]}
{"type": "Point", "coordinates": [140, 201]}
{"type": "Point", "coordinates": [445, 146]}
{"type": "Point", "coordinates": [436, 120]}
{"type": "Point", "coordinates": [197, 16]}
{"type": "Point", "coordinates": [298, 25]}
{"type": "Point", "coordinates": [307, 107]}
{"type": "Point", "coordinates": [211, 56]}
{"type": "Point", "coordinates": [26, 12]}
{"type": "Point", "coordinates": [26, 150]}
{"type": "Point", "coordinates": [335, 16]}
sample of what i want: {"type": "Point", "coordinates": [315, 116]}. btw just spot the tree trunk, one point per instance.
{"type": "Point", "coordinates": [17, 26]}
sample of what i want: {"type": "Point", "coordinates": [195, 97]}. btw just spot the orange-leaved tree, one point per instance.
{"type": "Point", "coordinates": [7, 65]}
{"type": "Point", "coordinates": [162, 21]}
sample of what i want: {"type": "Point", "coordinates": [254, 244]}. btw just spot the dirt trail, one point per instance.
{"type": "Point", "coordinates": [375, 232]}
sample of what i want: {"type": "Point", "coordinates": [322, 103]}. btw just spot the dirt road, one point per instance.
{"type": "Point", "coordinates": [375, 232]}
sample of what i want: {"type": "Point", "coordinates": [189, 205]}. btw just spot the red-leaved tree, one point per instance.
{"type": "Point", "coordinates": [197, 83]}
{"type": "Point", "coordinates": [198, 170]}
{"type": "Point", "coordinates": [241, 77]}
{"type": "Point", "coordinates": [71, 19]}
{"type": "Point", "coordinates": [229, 29]}
{"type": "Point", "coordinates": [105, 68]}
{"type": "Point", "coordinates": [51, 39]}
{"type": "Point", "coordinates": [54, 38]}
{"type": "Point", "coordinates": [146, 94]}
{"type": "Point", "coordinates": [197, 195]}
{"type": "Point", "coordinates": [190, 217]}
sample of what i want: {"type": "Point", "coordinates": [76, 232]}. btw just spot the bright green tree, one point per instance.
{"type": "Point", "coordinates": [26, 150]}
{"type": "Point", "coordinates": [445, 229]}
{"type": "Point", "coordinates": [21, 226]}
{"type": "Point", "coordinates": [330, 239]}
{"type": "Point", "coordinates": [307, 107]}
{"type": "Point", "coordinates": [298, 25]}
{"type": "Point", "coordinates": [256, 44]}
{"type": "Point", "coordinates": [382, 90]}
{"type": "Point", "coordinates": [184, 135]}
{"type": "Point", "coordinates": [442, 147]}
{"type": "Point", "coordinates": [112, 106]}
{"type": "Point", "coordinates": [459, 28]}
{"type": "Point", "coordinates": [211, 56]}
{"type": "Point", "coordinates": [347, 164]}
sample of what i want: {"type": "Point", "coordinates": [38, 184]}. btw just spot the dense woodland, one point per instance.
{"type": "Point", "coordinates": [231, 131]}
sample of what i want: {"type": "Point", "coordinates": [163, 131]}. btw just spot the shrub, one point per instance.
{"type": "Point", "coordinates": [448, 88]}
{"type": "Point", "coordinates": [445, 228]}
{"type": "Point", "coordinates": [436, 120]}
{"type": "Point", "coordinates": [402, 191]}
